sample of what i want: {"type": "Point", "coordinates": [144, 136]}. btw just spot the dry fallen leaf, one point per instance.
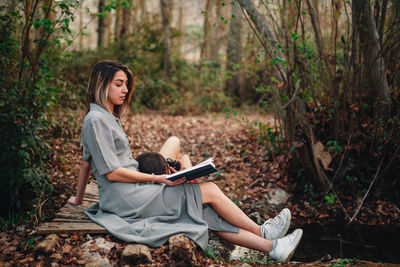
{"type": "Point", "coordinates": [323, 156]}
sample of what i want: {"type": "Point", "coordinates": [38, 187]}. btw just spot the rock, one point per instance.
{"type": "Point", "coordinates": [20, 228]}
{"type": "Point", "coordinates": [245, 253]}
{"type": "Point", "coordinates": [137, 253]}
{"type": "Point", "coordinates": [96, 244]}
{"type": "Point", "coordinates": [104, 244]}
{"type": "Point", "coordinates": [277, 196]}
{"type": "Point", "coordinates": [95, 260]}
{"type": "Point", "coordinates": [182, 250]}
{"type": "Point", "coordinates": [229, 252]}
{"type": "Point", "coordinates": [49, 244]}
{"type": "Point", "coordinates": [219, 249]}
{"type": "Point", "coordinates": [91, 256]}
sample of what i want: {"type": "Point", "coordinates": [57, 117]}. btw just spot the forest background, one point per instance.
{"type": "Point", "coordinates": [327, 70]}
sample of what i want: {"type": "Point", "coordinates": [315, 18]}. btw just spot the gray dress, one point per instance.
{"type": "Point", "coordinates": [140, 212]}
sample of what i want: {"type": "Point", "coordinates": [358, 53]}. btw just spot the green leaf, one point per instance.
{"type": "Point", "coordinates": [125, 4]}
{"type": "Point", "coordinates": [330, 198]}
{"type": "Point", "coordinates": [102, 15]}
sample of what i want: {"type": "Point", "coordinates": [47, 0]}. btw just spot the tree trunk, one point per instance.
{"type": "Point", "coordinates": [307, 158]}
{"type": "Point", "coordinates": [381, 23]}
{"type": "Point", "coordinates": [220, 32]}
{"type": "Point", "coordinates": [143, 10]}
{"type": "Point", "coordinates": [126, 15]}
{"type": "Point", "coordinates": [43, 35]}
{"type": "Point", "coordinates": [164, 5]}
{"type": "Point", "coordinates": [107, 29]}
{"type": "Point", "coordinates": [180, 29]}
{"type": "Point", "coordinates": [80, 27]}
{"type": "Point", "coordinates": [234, 53]}
{"type": "Point", "coordinates": [118, 21]}
{"type": "Point", "coordinates": [374, 67]}
{"type": "Point", "coordinates": [101, 26]}
{"type": "Point", "coordinates": [267, 34]}
{"type": "Point", "coordinates": [318, 39]}
{"type": "Point", "coordinates": [206, 45]}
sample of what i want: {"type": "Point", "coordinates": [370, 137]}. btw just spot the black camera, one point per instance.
{"type": "Point", "coordinates": [174, 164]}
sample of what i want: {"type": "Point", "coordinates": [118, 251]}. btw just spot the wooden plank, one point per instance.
{"type": "Point", "coordinates": [70, 227]}
{"type": "Point", "coordinates": [66, 220]}
{"type": "Point", "coordinates": [74, 216]}
{"type": "Point", "coordinates": [71, 218]}
{"type": "Point", "coordinates": [92, 190]}
{"type": "Point", "coordinates": [91, 199]}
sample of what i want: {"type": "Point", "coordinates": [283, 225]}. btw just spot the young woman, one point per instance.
{"type": "Point", "coordinates": [148, 208]}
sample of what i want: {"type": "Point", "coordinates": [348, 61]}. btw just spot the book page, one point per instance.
{"type": "Point", "coordinates": [201, 165]}
{"type": "Point", "coordinates": [207, 161]}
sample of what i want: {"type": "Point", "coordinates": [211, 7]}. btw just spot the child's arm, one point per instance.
{"type": "Point", "coordinates": [83, 178]}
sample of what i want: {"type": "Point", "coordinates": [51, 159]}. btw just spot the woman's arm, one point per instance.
{"type": "Point", "coordinates": [125, 175]}
{"type": "Point", "coordinates": [83, 178]}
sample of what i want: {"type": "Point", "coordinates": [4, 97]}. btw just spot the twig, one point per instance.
{"type": "Point", "coordinates": [294, 94]}
{"type": "Point", "coordinates": [391, 160]}
{"type": "Point", "coordinates": [366, 194]}
{"type": "Point", "coordinates": [254, 182]}
{"type": "Point", "coordinates": [341, 160]}
{"type": "Point", "coordinates": [254, 30]}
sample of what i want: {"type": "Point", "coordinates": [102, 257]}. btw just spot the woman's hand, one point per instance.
{"type": "Point", "coordinates": [74, 201]}
{"type": "Point", "coordinates": [163, 179]}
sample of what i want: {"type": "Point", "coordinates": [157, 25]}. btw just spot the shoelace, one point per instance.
{"type": "Point", "coordinates": [271, 223]}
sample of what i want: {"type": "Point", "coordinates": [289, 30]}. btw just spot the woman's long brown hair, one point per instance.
{"type": "Point", "coordinates": [99, 81]}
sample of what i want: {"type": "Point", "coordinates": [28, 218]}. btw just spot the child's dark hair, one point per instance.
{"type": "Point", "coordinates": [152, 162]}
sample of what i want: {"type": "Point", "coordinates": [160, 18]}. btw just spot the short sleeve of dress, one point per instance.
{"type": "Point", "coordinates": [86, 155]}
{"type": "Point", "coordinates": [100, 146]}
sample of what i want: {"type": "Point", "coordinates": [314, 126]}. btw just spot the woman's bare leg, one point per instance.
{"type": "Point", "coordinates": [247, 239]}
{"type": "Point", "coordinates": [211, 194]}
{"type": "Point", "coordinates": [185, 161]}
{"type": "Point", "coordinates": [171, 148]}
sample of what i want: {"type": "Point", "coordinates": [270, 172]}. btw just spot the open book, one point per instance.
{"type": "Point", "coordinates": [204, 168]}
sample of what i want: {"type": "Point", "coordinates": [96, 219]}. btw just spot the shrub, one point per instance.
{"type": "Point", "coordinates": [26, 95]}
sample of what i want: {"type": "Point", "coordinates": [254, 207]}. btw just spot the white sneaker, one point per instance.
{"type": "Point", "coordinates": [277, 227]}
{"type": "Point", "coordinates": [286, 246]}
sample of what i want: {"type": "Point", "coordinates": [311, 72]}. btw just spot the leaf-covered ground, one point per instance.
{"type": "Point", "coordinates": [246, 174]}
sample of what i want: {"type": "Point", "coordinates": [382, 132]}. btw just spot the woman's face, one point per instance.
{"type": "Point", "coordinates": [117, 90]}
